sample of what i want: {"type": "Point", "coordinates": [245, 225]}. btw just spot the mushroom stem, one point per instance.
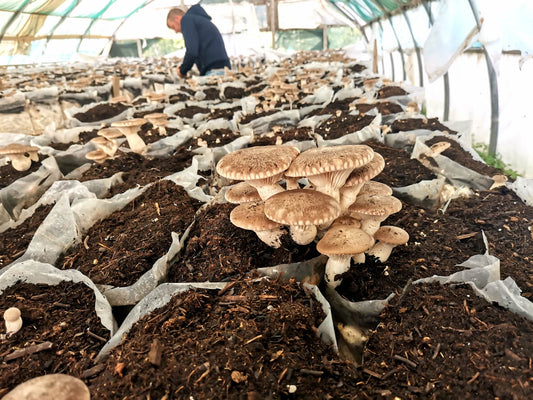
{"type": "Point", "coordinates": [136, 143]}
{"type": "Point", "coordinates": [381, 250]}
{"type": "Point", "coordinates": [330, 182]}
{"type": "Point", "coordinates": [271, 237]}
{"type": "Point", "coordinates": [370, 224]}
{"type": "Point", "coordinates": [162, 130]}
{"type": "Point", "coordinates": [348, 195]}
{"type": "Point", "coordinates": [265, 189]}
{"type": "Point", "coordinates": [20, 162]}
{"type": "Point", "coordinates": [303, 234]}
{"type": "Point", "coordinates": [336, 265]}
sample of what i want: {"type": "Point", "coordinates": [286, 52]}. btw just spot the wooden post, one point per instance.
{"type": "Point", "coordinates": [324, 37]}
{"type": "Point", "coordinates": [116, 85]}
{"type": "Point", "coordinates": [273, 20]}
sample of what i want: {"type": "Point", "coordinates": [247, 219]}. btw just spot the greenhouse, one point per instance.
{"type": "Point", "coordinates": [341, 210]}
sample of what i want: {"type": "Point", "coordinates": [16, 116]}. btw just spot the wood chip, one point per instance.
{"type": "Point", "coordinates": [36, 348]}
{"type": "Point", "coordinates": [155, 353]}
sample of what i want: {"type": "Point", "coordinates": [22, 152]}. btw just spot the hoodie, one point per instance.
{"type": "Point", "coordinates": [203, 42]}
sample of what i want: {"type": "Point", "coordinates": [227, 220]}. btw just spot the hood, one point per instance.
{"type": "Point", "coordinates": [199, 11]}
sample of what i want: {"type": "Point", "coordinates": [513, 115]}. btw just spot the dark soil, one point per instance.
{"type": "Point", "coordinates": [63, 315]}
{"type": "Point", "coordinates": [224, 113]}
{"type": "Point", "coordinates": [231, 92]}
{"type": "Point", "coordinates": [254, 341]}
{"type": "Point", "coordinates": [119, 249]}
{"type": "Point", "coordinates": [219, 251]}
{"type": "Point", "coordinates": [191, 111]}
{"type": "Point", "coordinates": [336, 127]}
{"type": "Point", "coordinates": [101, 112]}
{"type": "Point", "coordinates": [15, 240]}
{"type": "Point", "coordinates": [299, 134]}
{"type": "Point", "coordinates": [441, 342]}
{"type": "Point", "coordinates": [8, 174]}
{"type": "Point", "coordinates": [389, 91]}
{"type": "Point", "coordinates": [250, 117]}
{"type": "Point", "coordinates": [384, 107]}
{"type": "Point", "coordinates": [410, 124]}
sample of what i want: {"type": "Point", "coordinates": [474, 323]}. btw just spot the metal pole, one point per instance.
{"type": "Point", "coordinates": [417, 48]}
{"type": "Point", "coordinates": [494, 97]}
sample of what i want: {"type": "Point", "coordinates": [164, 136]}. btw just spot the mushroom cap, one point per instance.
{"type": "Point", "coordinates": [12, 314]}
{"type": "Point", "coordinates": [50, 387]}
{"type": "Point", "coordinates": [99, 140]}
{"type": "Point", "coordinates": [347, 220]}
{"type": "Point", "coordinates": [439, 147]}
{"type": "Point", "coordinates": [251, 216]}
{"type": "Point", "coordinates": [367, 171]}
{"type": "Point", "coordinates": [375, 204]}
{"type": "Point", "coordinates": [302, 207]}
{"type": "Point", "coordinates": [156, 116]}
{"type": "Point", "coordinates": [17, 148]}
{"type": "Point", "coordinates": [96, 155]}
{"type": "Point", "coordinates": [155, 96]}
{"type": "Point", "coordinates": [241, 192]}
{"type": "Point", "coordinates": [330, 159]}
{"type": "Point", "coordinates": [129, 123]}
{"type": "Point", "coordinates": [258, 162]}
{"type": "Point", "coordinates": [110, 133]}
{"type": "Point", "coordinates": [392, 235]}
{"type": "Point", "coordinates": [373, 187]}
{"type": "Point", "coordinates": [344, 240]}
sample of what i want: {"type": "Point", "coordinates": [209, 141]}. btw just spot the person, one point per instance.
{"type": "Point", "coordinates": [203, 42]}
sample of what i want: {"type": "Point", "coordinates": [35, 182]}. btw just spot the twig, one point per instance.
{"type": "Point", "coordinates": [94, 335]}
{"type": "Point", "coordinates": [154, 356]}
{"type": "Point", "coordinates": [85, 242]}
{"type": "Point", "coordinates": [436, 352]}
{"type": "Point", "coordinates": [226, 288]}
{"type": "Point", "coordinates": [372, 373]}
{"type": "Point", "coordinates": [473, 378]}
{"type": "Point", "coordinates": [88, 373]}
{"type": "Point", "coordinates": [311, 372]}
{"type": "Point", "coordinates": [29, 350]}
{"type": "Point", "coordinates": [405, 360]}
{"type": "Point", "coordinates": [253, 339]}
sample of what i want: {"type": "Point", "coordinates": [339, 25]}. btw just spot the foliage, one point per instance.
{"type": "Point", "coordinates": [494, 160]}
{"type": "Point", "coordinates": [162, 47]}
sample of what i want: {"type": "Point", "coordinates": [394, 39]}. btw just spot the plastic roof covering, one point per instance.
{"type": "Point", "coordinates": [85, 26]}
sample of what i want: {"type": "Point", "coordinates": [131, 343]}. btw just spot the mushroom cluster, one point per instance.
{"type": "Point", "coordinates": [20, 155]}
{"type": "Point", "coordinates": [341, 207]}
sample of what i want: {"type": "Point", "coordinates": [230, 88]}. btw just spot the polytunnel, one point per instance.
{"type": "Point", "coordinates": [345, 213]}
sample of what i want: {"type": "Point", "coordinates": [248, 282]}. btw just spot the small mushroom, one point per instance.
{"type": "Point", "coordinates": [303, 210]}
{"type": "Point", "coordinates": [241, 192]}
{"type": "Point", "coordinates": [373, 209]}
{"type": "Point", "coordinates": [260, 166]}
{"type": "Point", "coordinates": [12, 320]}
{"type": "Point", "coordinates": [327, 168]}
{"type": "Point", "coordinates": [251, 216]}
{"type": "Point", "coordinates": [20, 155]}
{"type": "Point", "coordinates": [50, 387]}
{"type": "Point", "coordinates": [373, 187]}
{"type": "Point", "coordinates": [388, 237]}
{"type": "Point", "coordinates": [130, 129]}
{"type": "Point", "coordinates": [98, 156]}
{"type": "Point", "coordinates": [498, 180]}
{"type": "Point", "coordinates": [158, 120]}
{"type": "Point", "coordinates": [107, 146]}
{"type": "Point", "coordinates": [341, 243]}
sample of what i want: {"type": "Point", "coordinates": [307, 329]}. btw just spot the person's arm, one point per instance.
{"type": "Point", "coordinates": [192, 45]}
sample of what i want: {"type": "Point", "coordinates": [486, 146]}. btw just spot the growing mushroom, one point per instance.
{"type": "Point", "coordinates": [241, 192]}
{"type": "Point", "coordinates": [341, 243]}
{"type": "Point", "coordinates": [358, 177]}
{"type": "Point", "coordinates": [20, 155]}
{"type": "Point", "coordinates": [373, 187]}
{"type": "Point", "coordinates": [260, 166]}
{"type": "Point", "coordinates": [12, 320]}
{"type": "Point", "coordinates": [107, 146]}
{"type": "Point", "coordinates": [303, 210]}
{"type": "Point", "coordinates": [388, 237]}
{"type": "Point", "coordinates": [251, 216]}
{"type": "Point", "coordinates": [158, 120]}
{"type": "Point", "coordinates": [98, 156]}
{"type": "Point", "coordinates": [130, 129]}
{"type": "Point", "coordinates": [50, 387]}
{"type": "Point", "coordinates": [373, 209]}
{"type": "Point", "coordinates": [327, 168]}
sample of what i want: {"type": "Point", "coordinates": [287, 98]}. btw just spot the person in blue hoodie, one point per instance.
{"type": "Point", "coordinates": [203, 42]}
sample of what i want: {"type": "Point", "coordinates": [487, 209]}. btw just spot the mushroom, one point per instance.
{"type": "Point", "coordinates": [251, 216]}
{"type": "Point", "coordinates": [498, 180]}
{"type": "Point", "coordinates": [388, 237]}
{"type": "Point", "coordinates": [241, 192]}
{"type": "Point", "coordinates": [130, 129]}
{"type": "Point", "coordinates": [260, 166]}
{"type": "Point", "coordinates": [341, 243]}
{"type": "Point", "coordinates": [327, 168]}
{"type": "Point", "coordinates": [303, 210]}
{"type": "Point", "coordinates": [98, 156]}
{"type": "Point", "coordinates": [12, 320]}
{"type": "Point", "coordinates": [155, 98]}
{"type": "Point", "coordinates": [373, 187]}
{"type": "Point", "coordinates": [158, 120]}
{"type": "Point", "coordinates": [107, 146]}
{"type": "Point", "coordinates": [120, 99]}
{"type": "Point", "coordinates": [20, 155]}
{"type": "Point", "coordinates": [50, 387]}
{"type": "Point", "coordinates": [373, 209]}
{"type": "Point", "coordinates": [356, 180]}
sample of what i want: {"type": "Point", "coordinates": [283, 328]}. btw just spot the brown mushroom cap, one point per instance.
{"type": "Point", "coordinates": [251, 216]}
{"type": "Point", "coordinates": [375, 204]}
{"type": "Point", "coordinates": [96, 155]}
{"type": "Point", "coordinates": [129, 123]}
{"type": "Point", "coordinates": [302, 207]}
{"type": "Point", "coordinates": [392, 235]}
{"type": "Point", "coordinates": [99, 140]}
{"type": "Point", "coordinates": [110, 133]}
{"type": "Point", "coordinates": [258, 162]}
{"type": "Point", "coordinates": [344, 240]}
{"type": "Point", "coordinates": [156, 117]}
{"type": "Point", "coordinates": [17, 148]}
{"type": "Point", "coordinates": [373, 187]}
{"type": "Point", "coordinates": [50, 387]}
{"type": "Point", "coordinates": [367, 171]}
{"type": "Point", "coordinates": [330, 159]}
{"type": "Point", "coordinates": [241, 192]}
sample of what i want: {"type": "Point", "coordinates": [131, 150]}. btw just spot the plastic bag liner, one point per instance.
{"type": "Point", "coordinates": [323, 96]}
{"type": "Point", "coordinates": [347, 93]}
{"type": "Point", "coordinates": [73, 122]}
{"type": "Point", "coordinates": [457, 174]}
{"type": "Point", "coordinates": [35, 272]}
{"type": "Point", "coordinates": [264, 124]}
{"type": "Point", "coordinates": [425, 193]}
{"type": "Point", "coordinates": [524, 189]}
{"type": "Point", "coordinates": [309, 271]}
{"type": "Point", "coordinates": [12, 104]}
{"type": "Point", "coordinates": [162, 294]}
{"type": "Point", "coordinates": [165, 147]}
{"type": "Point", "coordinates": [27, 190]}
{"type": "Point", "coordinates": [369, 132]}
